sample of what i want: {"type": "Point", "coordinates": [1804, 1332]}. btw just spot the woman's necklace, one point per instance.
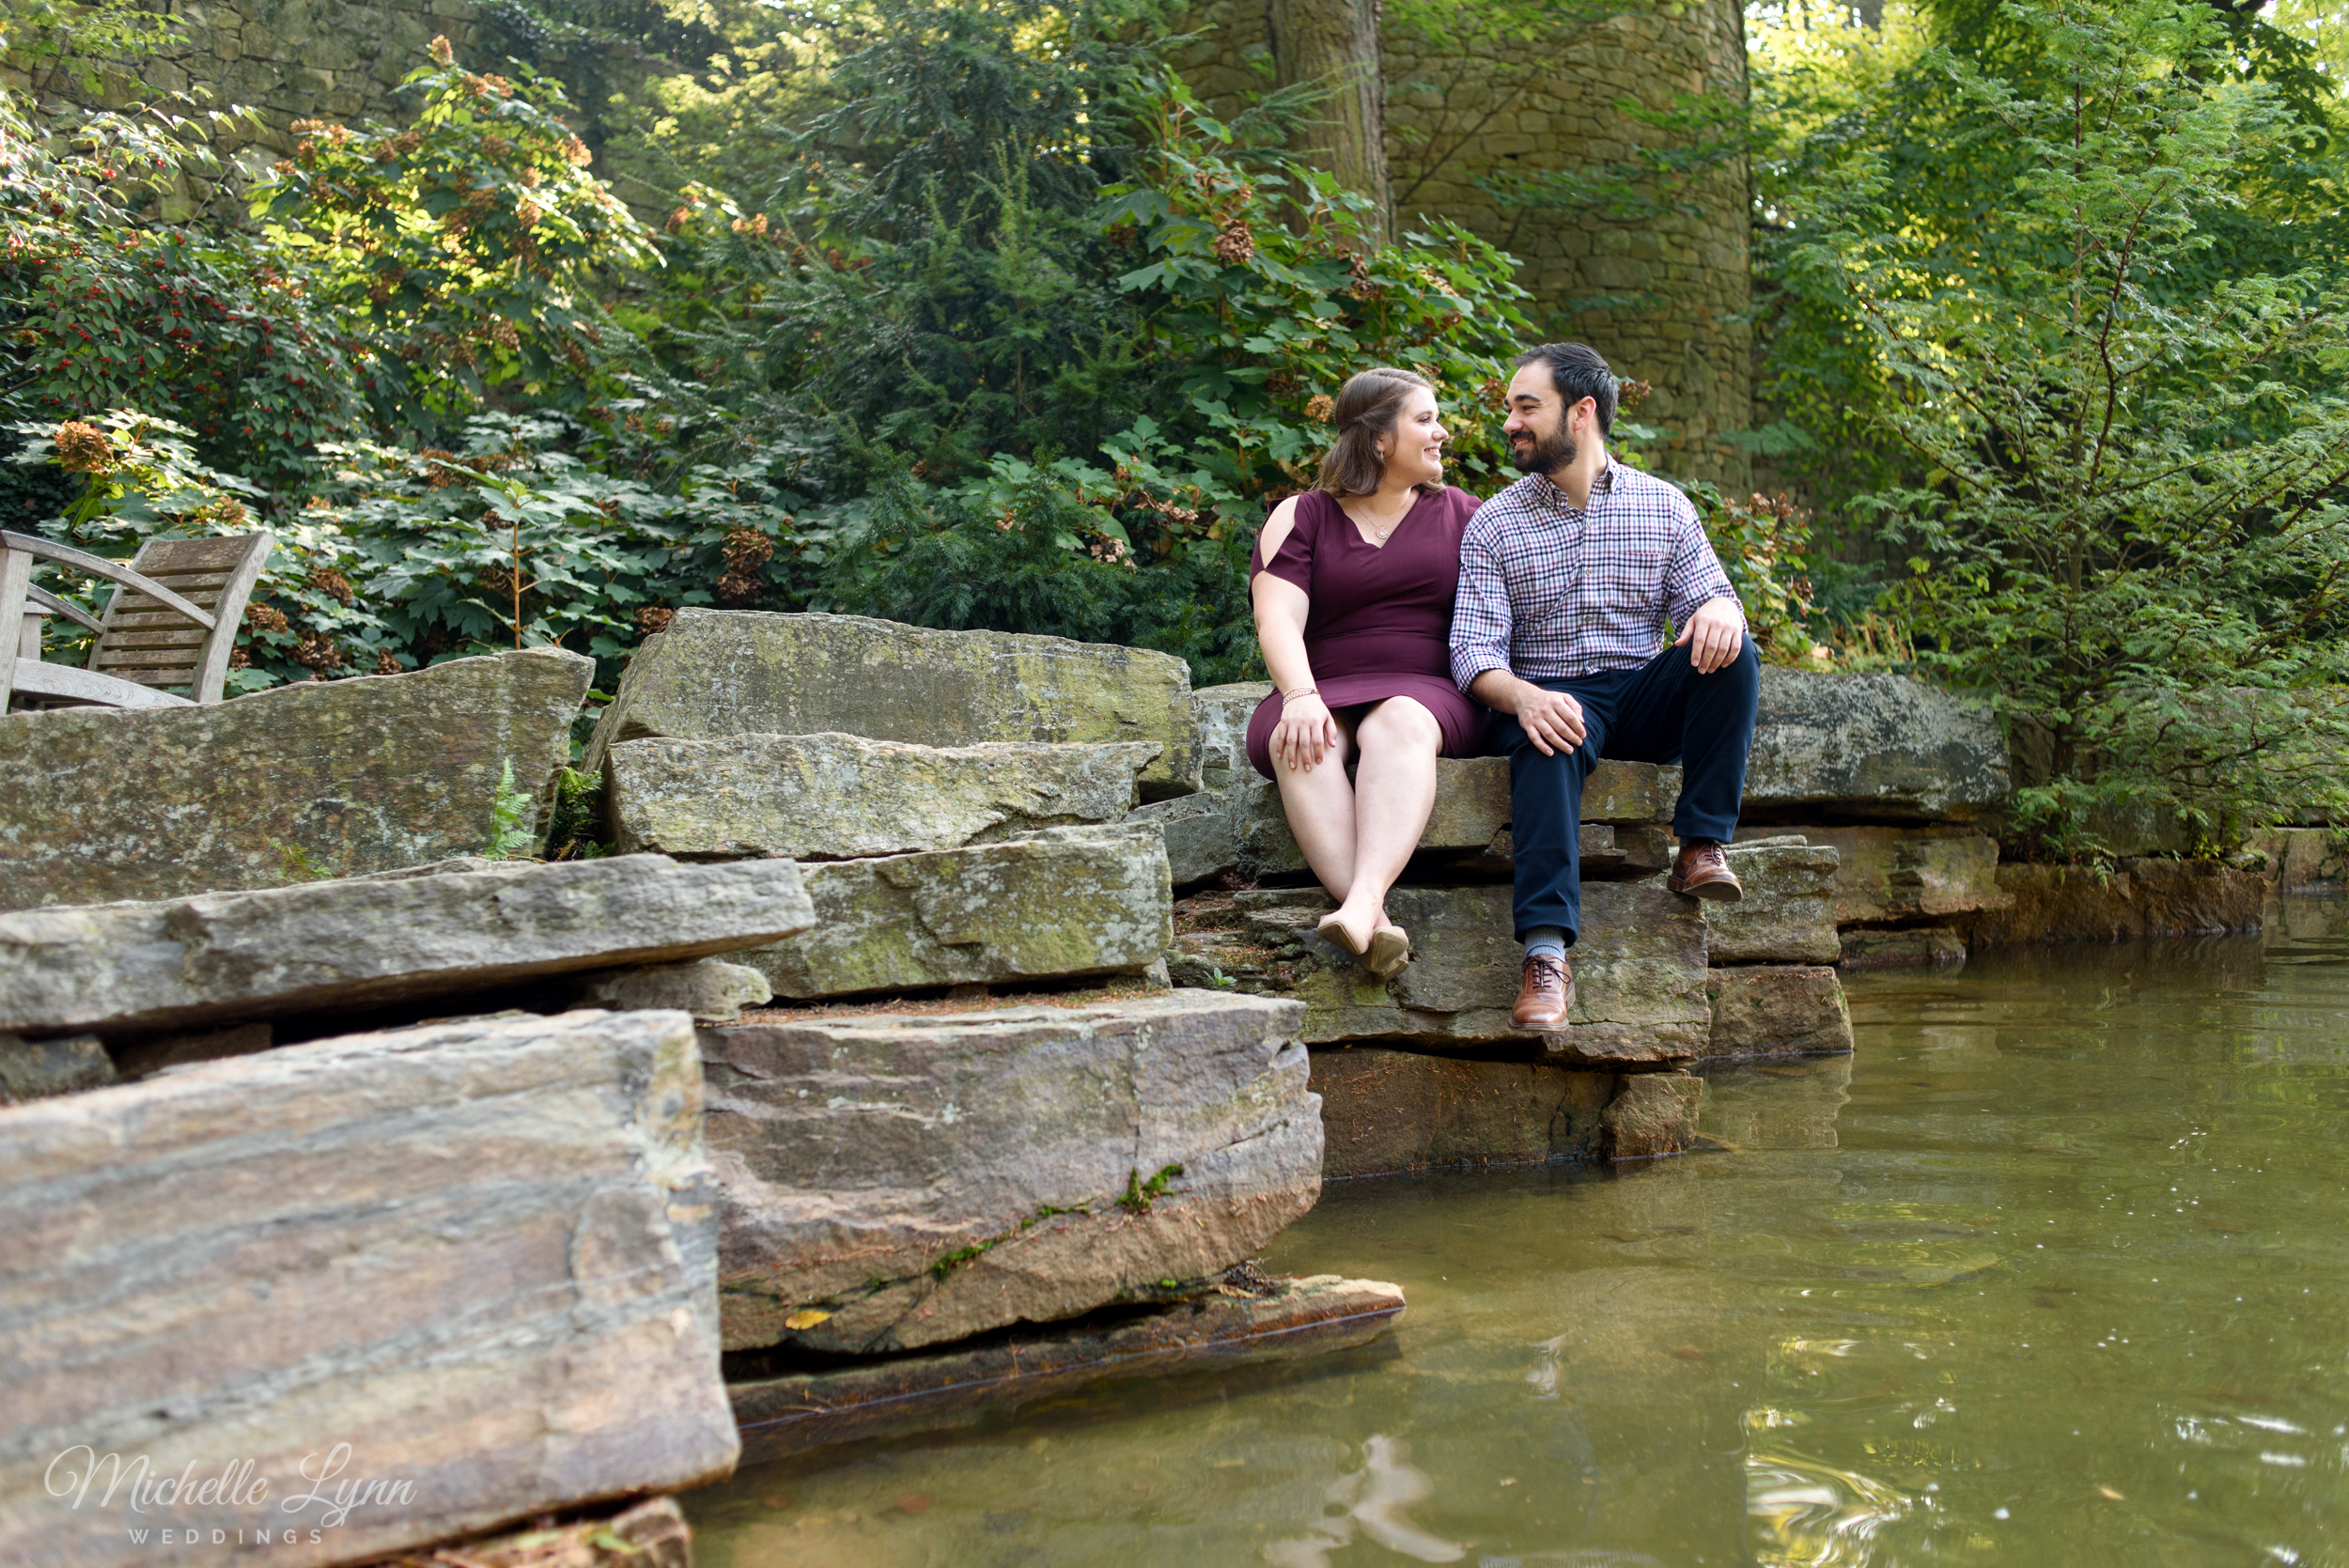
{"type": "Point", "coordinates": [1379, 535]}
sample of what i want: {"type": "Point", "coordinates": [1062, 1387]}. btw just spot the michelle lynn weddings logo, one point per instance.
{"type": "Point", "coordinates": [157, 1506]}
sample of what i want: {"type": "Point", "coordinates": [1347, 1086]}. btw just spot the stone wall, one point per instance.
{"type": "Point", "coordinates": [1674, 285]}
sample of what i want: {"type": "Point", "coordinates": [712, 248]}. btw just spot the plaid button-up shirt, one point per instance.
{"type": "Point", "coordinates": [1548, 590]}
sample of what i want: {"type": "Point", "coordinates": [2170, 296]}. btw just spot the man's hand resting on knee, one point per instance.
{"type": "Point", "coordinates": [1551, 720]}
{"type": "Point", "coordinates": [1714, 635]}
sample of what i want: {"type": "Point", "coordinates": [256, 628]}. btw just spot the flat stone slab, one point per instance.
{"type": "Point", "coordinates": [1787, 915]}
{"type": "Point", "coordinates": [1385, 1111]}
{"type": "Point", "coordinates": [781, 1417]}
{"type": "Point", "coordinates": [1778, 1010]}
{"type": "Point", "coordinates": [1879, 747]}
{"type": "Point", "coordinates": [1909, 873]}
{"type": "Point", "coordinates": [482, 1254]}
{"type": "Point", "coordinates": [838, 797]}
{"type": "Point", "coordinates": [1471, 809]}
{"type": "Point", "coordinates": [2140, 898]}
{"type": "Point", "coordinates": [1934, 946]}
{"type": "Point", "coordinates": [1783, 1105]}
{"type": "Point", "coordinates": [716, 673]}
{"type": "Point", "coordinates": [1066, 903]}
{"type": "Point", "coordinates": [349, 777]}
{"type": "Point", "coordinates": [1639, 967]}
{"type": "Point", "coordinates": [1653, 1115]}
{"type": "Point", "coordinates": [125, 970]}
{"type": "Point", "coordinates": [893, 1182]}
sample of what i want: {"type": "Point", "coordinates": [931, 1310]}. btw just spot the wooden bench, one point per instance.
{"type": "Point", "coordinates": [172, 621]}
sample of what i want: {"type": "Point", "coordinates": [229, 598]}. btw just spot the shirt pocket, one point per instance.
{"type": "Point", "coordinates": [1626, 581]}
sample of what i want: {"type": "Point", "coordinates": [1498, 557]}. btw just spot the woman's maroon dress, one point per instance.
{"type": "Point", "coordinates": [1381, 625]}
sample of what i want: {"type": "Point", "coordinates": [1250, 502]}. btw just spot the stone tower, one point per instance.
{"type": "Point", "coordinates": [1663, 296]}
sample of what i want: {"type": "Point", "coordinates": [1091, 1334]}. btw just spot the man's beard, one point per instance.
{"type": "Point", "coordinates": [1544, 456]}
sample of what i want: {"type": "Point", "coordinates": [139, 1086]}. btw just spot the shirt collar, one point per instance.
{"type": "Point", "coordinates": [1603, 485]}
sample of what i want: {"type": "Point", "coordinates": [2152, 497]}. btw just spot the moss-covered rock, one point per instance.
{"type": "Point", "coordinates": [718, 672]}
{"type": "Point", "coordinates": [1787, 915]}
{"type": "Point", "coordinates": [1778, 1010]}
{"type": "Point", "coordinates": [1066, 903]}
{"type": "Point", "coordinates": [1879, 747]}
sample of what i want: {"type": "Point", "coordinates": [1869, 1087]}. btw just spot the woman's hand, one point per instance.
{"type": "Point", "coordinates": [1305, 734]}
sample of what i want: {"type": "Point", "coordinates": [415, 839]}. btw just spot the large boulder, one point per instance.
{"type": "Point", "coordinates": [1639, 967]}
{"type": "Point", "coordinates": [2138, 898]}
{"type": "Point", "coordinates": [1386, 1110]}
{"type": "Point", "coordinates": [126, 970]}
{"type": "Point", "coordinates": [1066, 903]}
{"type": "Point", "coordinates": [1872, 748]}
{"type": "Point", "coordinates": [900, 1181]}
{"type": "Point", "coordinates": [483, 1255]}
{"type": "Point", "coordinates": [1787, 915]}
{"type": "Point", "coordinates": [1909, 873]}
{"type": "Point", "coordinates": [1778, 1010]}
{"type": "Point", "coordinates": [716, 673]}
{"type": "Point", "coordinates": [835, 797]}
{"type": "Point", "coordinates": [325, 778]}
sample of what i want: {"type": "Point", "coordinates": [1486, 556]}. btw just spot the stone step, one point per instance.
{"type": "Point", "coordinates": [1881, 747]}
{"type": "Point", "coordinates": [349, 777]}
{"type": "Point", "coordinates": [1244, 828]}
{"type": "Point", "coordinates": [1065, 902]}
{"type": "Point", "coordinates": [784, 1416]}
{"type": "Point", "coordinates": [897, 1181]}
{"type": "Point", "coordinates": [482, 1254]}
{"type": "Point", "coordinates": [128, 969]}
{"type": "Point", "coordinates": [1777, 1010]}
{"type": "Point", "coordinates": [1907, 873]}
{"type": "Point", "coordinates": [838, 797]}
{"type": "Point", "coordinates": [2138, 898]}
{"type": "Point", "coordinates": [716, 673]}
{"type": "Point", "coordinates": [1932, 946]}
{"type": "Point", "coordinates": [1639, 966]}
{"type": "Point", "coordinates": [1787, 915]}
{"type": "Point", "coordinates": [1386, 1110]}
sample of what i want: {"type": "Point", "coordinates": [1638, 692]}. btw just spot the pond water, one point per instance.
{"type": "Point", "coordinates": [2051, 1272]}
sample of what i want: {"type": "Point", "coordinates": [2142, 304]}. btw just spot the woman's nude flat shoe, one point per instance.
{"type": "Point", "coordinates": [1390, 950]}
{"type": "Point", "coordinates": [1334, 929]}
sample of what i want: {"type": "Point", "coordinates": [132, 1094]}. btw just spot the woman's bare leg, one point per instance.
{"type": "Point", "coordinates": [1320, 807]}
{"type": "Point", "coordinates": [1394, 789]}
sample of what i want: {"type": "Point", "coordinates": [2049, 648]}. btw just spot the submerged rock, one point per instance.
{"type": "Point", "coordinates": [481, 1253]}
{"type": "Point", "coordinates": [1865, 947]}
{"type": "Point", "coordinates": [1265, 1320]}
{"type": "Point", "coordinates": [148, 968]}
{"type": "Point", "coordinates": [892, 1181]}
{"type": "Point", "coordinates": [1778, 1010]}
{"type": "Point", "coordinates": [716, 673]}
{"type": "Point", "coordinates": [1654, 1114]}
{"type": "Point", "coordinates": [835, 797]}
{"type": "Point", "coordinates": [1876, 747]}
{"type": "Point", "coordinates": [339, 778]}
{"type": "Point", "coordinates": [1066, 903]}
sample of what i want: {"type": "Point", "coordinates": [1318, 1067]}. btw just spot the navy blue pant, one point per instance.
{"type": "Point", "coordinates": [1662, 711]}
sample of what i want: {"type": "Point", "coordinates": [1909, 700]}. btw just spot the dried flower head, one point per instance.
{"type": "Point", "coordinates": [1236, 246]}
{"type": "Point", "coordinates": [577, 153]}
{"type": "Point", "coordinates": [326, 580]}
{"type": "Point", "coordinates": [1320, 406]}
{"type": "Point", "coordinates": [654, 619]}
{"type": "Point", "coordinates": [387, 663]}
{"type": "Point", "coordinates": [264, 617]}
{"type": "Point", "coordinates": [82, 448]}
{"type": "Point", "coordinates": [441, 51]}
{"type": "Point", "coordinates": [317, 653]}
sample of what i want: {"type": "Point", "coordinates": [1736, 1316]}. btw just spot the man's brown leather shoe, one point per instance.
{"type": "Point", "coordinates": [1701, 871]}
{"type": "Point", "coordinates": [1545, 995]}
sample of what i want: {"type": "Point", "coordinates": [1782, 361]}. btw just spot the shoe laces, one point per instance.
{"type": "Point", "coordinates": [1547, 970]}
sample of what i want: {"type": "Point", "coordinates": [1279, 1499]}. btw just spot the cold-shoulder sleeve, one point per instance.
{"type": "Point", "coordinates": [1293, 563]}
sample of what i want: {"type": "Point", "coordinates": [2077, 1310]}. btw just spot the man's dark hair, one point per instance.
{"type": "Point", "coordinates": [1577, 372]}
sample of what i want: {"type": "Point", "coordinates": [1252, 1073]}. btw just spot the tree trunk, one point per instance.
{"type": "Point", "coordinates": [1334, 44]}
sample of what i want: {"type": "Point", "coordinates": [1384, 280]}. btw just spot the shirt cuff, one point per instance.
{"type": "Point", "coordinates": [1478, 662]}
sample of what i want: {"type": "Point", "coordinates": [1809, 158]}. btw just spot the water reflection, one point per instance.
{"type": "Point", "coordinates": [2049, 1273]}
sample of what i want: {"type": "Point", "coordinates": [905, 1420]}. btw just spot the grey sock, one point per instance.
{"type": "Point", "coordinates": [1547, 941]}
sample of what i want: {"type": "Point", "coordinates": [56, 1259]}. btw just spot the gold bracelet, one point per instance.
{"type": "Point", "coordinates": [1289, 697]}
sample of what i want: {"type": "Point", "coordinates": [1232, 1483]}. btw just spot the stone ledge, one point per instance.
{"type": "Point", "coordinates": [126, 970]}
{"type": "Point", "coordinates": [1777, 1010]}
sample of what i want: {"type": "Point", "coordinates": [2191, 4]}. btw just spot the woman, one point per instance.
{"type": "Point", "coordinates": [1352, 583]}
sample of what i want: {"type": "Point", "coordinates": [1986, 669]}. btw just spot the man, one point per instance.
{"type": "Point", "coordinates": [1569, 579]}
